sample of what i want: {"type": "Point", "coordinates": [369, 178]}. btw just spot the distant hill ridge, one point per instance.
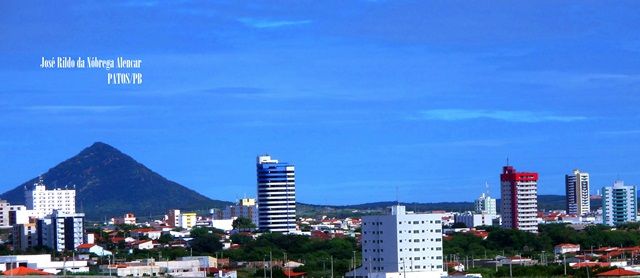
{"type": "Point", "coordinates": [545, 202]}
{"type": "Point", "coordinates": [110, 183]}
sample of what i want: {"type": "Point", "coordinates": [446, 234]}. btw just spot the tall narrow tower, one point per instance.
{"type": "Point", "coordinates": [519, 202]}
{"type": "Point", "coordinates": [276, 195]}
{"type": "Point", "coordinates": [577, 186]}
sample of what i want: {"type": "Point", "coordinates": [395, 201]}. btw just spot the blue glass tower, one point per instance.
{"type": "Point", "coordinates": [276, 195]}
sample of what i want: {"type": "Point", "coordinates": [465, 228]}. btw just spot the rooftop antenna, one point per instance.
{"type": "Point", "coordinates": [486, 187]}
{"type": "Point", "coordinates": [397, 198]}
{"type": "Point", "coordinates": [507, 160]}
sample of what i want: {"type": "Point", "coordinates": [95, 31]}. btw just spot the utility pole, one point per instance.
{"type": "Point", "coordinates": [331, 266]}
{"type": "Point", "coordinates": [264, 266]}
{"type": "Point", "coordinates": [510, 269]}
{"type": "Point", "coordinates": [285, 264]}
{"type": "Point", "coordinates": [354, 264]}
{"type": "Point", "coordinates": [270, 264]}
{"type": "Point", "coordinates": [324, 269]}
{"type": "Point", "coordinates": [564, 262]}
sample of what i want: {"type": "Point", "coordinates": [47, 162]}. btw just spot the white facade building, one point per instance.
{"type": "Point", "coordinates": [566, 248]}
{"type": "Point", "coordinates": [43, 201]}
{"type": "Point", "coordinates": [485, 205]}
{"type": "Point", "coordinates": [276, 195]}
{"type": "Point", "coordinates": [42, 262]}
{"type": "Point", "coordinates": [619, 204]}
{"type": "Point", "coordinates": [577, 193]}
{"type": "Point", "coordinates": [8, 214]}
{"type": "Point", "coordinates": [401, 243]}
{"type": "Point", "coordinates": [475, 220]}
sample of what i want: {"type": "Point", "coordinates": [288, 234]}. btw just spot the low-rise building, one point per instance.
{"type": "Point", "coordinates": [188, 220]}
{"type": "Point", "coordinates": [472, 220]}
{"type": "Point", "coordinates": [149, 267]}
{"type": "Point", "coordinates": [566, 248]}
{"type": "Point", "coordinates": [205, 261]}
{"type": "Point", "coordinates": [42, 262]}
{"type": "Point", "coordinates": [127, 219]}
{"type": "Point", "coordinates": [93, 249]}
{"type": "Point", "coordinates": [150, 233]}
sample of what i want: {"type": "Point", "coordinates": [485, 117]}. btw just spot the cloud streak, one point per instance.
{"type": "Point", "coordinates": [268, 23]}
{"type": "Point", "coordinates": [74, 108]}
{"type": "Point", "coordinates": [522, 116]}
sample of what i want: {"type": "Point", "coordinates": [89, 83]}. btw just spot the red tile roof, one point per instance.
{"type": "Point", "coordinates": [85, 246]}
{"type": "Point", "coordinates": [22, 271]}
{"type": "Point", "coordinates": [291, 273]}
{"type": "Point", "coordinates": [590, 264]}
{"type": "Point", "coordinates": [618, 272]}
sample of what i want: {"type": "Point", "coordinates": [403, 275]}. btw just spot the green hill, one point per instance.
{"type": "Point", "coordinates": [110, 183]}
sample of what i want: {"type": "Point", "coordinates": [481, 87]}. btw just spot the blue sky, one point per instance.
{"type": "Point", "coordinates": [430, 97]}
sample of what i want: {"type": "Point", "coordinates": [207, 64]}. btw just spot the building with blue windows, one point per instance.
{"type": "Point", "coordinates": [619, 204]}
{"type": "Point", "coordinates": [276, 195]}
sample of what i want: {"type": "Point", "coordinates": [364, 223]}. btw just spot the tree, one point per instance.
{"type": "Point", "coordinates": [243, 224]}
{"type": "Point", "coordinates": [241, 239]}
{"type": "Point", "coordinates": [165, 238]}
{"type": "Point", "coordinates": [207, 244]}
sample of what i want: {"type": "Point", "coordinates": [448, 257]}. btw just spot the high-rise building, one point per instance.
{"type": "Point", "coordinates": [401, 244]}
{"type": "Point", "coordinates": [61, 231]}
{"type": "Point", "coordinates": [578, 198]}
{"type": "Point", "coordinates": [43, 201]}
{"type": "Point", "coordinates": [485, 205]}
{"type": "Point", "coordinates": [519, 199]}
{"type": "Point", "coordinates": [276, 195]}
{"type": "Point", "coordinates": [619, 204]}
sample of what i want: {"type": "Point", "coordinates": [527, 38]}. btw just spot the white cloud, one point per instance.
{"type": "Point", "coordinates": [267, 23]}
{"type": "Point", "coordinates": [523, 116]}
{"type": "Point", "coordinates": [74, 108]}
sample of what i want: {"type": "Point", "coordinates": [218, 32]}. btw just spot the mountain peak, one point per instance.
{"type": "Point", "coordinates": [110, 183]}
{"type": "Point", "coordinates": [101, 147]}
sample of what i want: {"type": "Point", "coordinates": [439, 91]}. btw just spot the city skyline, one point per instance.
{"type": "Point", "coordinates": [423, 101]}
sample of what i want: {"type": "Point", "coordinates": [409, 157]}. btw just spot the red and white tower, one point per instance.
{"type": "Point", "coordinates": [519, 202]}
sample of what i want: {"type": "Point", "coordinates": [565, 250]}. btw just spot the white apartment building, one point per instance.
{"type": "Point", "coordinates": [577, 193]}
{"type": "Point", "coordinates": [401, 244]}
{"type": "Point", "coordinates": [619, 204]}
{"type": "Point", "coordinates": [42, 262]}
{"type": "Point", "coordinates": [43, 201]}
{"type": "Point", "coordinates": [472, 220]}
{"type": "Point", "coordinates": [6, 212]}
{"type": "Point", "coordinates": [485, 205]}
{"type": "Point", "coordinates": [276, 186]}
